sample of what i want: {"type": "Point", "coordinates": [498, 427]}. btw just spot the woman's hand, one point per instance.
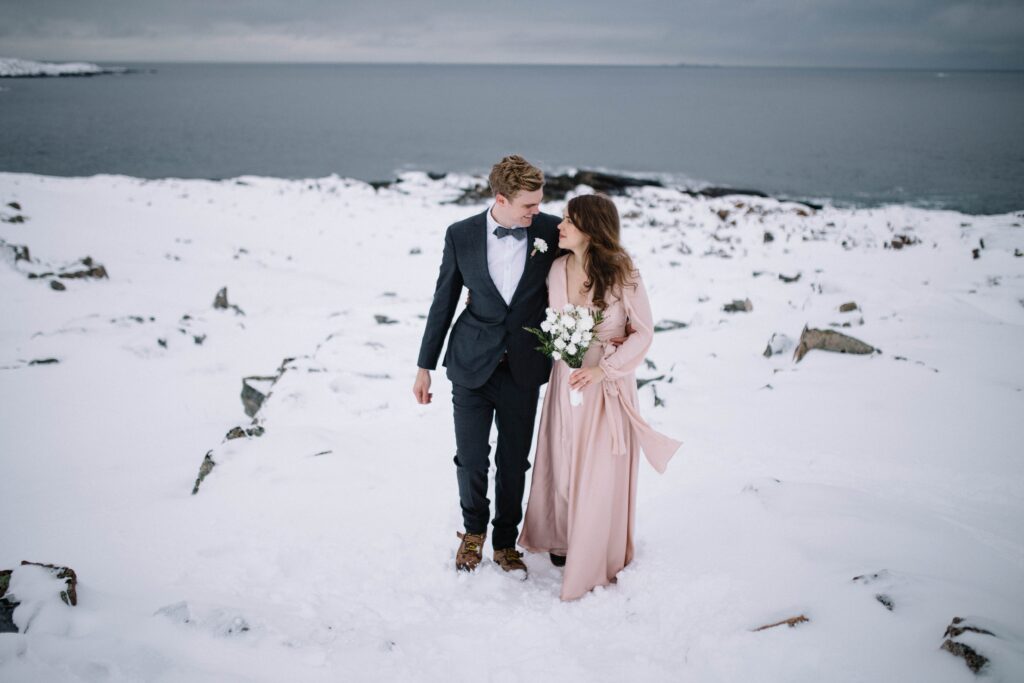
{"type": "Point", "coordinates": [584, 377]}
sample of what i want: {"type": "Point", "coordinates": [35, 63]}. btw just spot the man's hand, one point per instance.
{"type": "Point", "coordinates": [617, 341]}
{"type": "Point", "coordinates": [421, 387]}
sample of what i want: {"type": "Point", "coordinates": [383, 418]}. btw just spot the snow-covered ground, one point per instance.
{"type": "Point", "coordinates": [323, 550]}
{"type": "Point", "coordinates": [14, 68]}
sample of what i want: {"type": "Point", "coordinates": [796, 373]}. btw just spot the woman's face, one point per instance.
{"type": "Point", "coordinates": [569, 236]}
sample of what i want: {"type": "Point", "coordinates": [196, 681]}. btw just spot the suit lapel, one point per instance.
{"type": "Point", "coordinates": [530, 268]}
{"type": "Point", "coordinates": [478, 257]}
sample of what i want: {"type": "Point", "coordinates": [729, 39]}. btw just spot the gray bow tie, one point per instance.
{"type": "Point", "coordinates": [518, 233]}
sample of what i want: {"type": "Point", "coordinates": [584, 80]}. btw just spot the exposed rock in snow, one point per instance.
{"type": "Point", "coordinates": [829, 340]}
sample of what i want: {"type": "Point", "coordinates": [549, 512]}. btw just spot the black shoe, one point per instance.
{"type": "Point", "coordinates": [557, 560]}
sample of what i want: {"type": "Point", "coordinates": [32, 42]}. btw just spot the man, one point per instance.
{"type": "Point", "coordinates": [502, 256]}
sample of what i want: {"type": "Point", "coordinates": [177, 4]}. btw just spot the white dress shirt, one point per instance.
{"type": "Point", "coordinates": [506, 259]}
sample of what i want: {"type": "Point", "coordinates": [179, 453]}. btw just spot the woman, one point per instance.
{"type": "Point", "coordinates": [583, 496]}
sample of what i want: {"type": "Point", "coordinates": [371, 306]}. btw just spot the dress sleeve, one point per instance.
{"type": "Point", "coordinates": [626, 358]}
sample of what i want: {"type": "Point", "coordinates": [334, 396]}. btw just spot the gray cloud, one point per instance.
{"type": "Point", "coordinates": [895, 33]}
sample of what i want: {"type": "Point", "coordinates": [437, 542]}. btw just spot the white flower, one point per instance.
{"type": "Point", "coordinates": [552, 315]}
{"type": "Point", "coordinates": [539, 245]}
{"type": "Point", "coordinates": [576, 337]}
{"type": "Point", "coordinates": [586, 323]}
{"type": "Point", "coordinates": [586, 337]}
{"type": "Point", "coordinates": [568, 322]}
{"type": "Point", "coordinates": [559, 343]}
{"type": "Point", "coordinates": [545, 326]}
{"type": "Point", "coordinates": [556, 356]}
{"type": "Point", "coordinates": [571, 349]}
{"type": "Point", "coordinates": [568, 308]}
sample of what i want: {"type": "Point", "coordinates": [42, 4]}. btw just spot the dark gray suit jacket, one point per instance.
{"type": "Point", "coordinates": [488, 326]}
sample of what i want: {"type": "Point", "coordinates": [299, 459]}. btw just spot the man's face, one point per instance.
{"type": "Point", "coordinates": [521, 209]}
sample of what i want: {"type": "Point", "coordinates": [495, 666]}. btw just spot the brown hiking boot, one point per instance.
{"type": "Point", "coordinates": [511, 560]}
{"type": "Point", "coordinates": [470, 552]}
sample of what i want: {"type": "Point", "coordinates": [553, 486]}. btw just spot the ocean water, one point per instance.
{"type": "Point", "coordinates": [859, 137]}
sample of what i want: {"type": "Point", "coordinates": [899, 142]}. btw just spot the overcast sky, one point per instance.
{"type": "Point", "coordinates": [942, 34]}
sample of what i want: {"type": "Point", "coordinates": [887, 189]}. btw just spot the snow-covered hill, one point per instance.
{"type": "Point", "coordinates": [16, 68]}
{"type": "Point", "coordinates": [323, 549]}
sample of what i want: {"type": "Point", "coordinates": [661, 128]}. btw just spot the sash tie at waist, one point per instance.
{"type": "Point", "coordinates": [657, 447]}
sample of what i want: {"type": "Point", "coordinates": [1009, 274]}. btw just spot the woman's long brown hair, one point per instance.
{"type": "Point", "coordinates": [608, 267]}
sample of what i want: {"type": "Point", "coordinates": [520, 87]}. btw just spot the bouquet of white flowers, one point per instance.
{"type": "Point", "coordinates": [566, 335]}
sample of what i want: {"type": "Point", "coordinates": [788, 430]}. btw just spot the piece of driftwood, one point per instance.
{"type": "Point", "coordinates": [829, 340]}
{"type": "Point", "coordinates": [791, 622]}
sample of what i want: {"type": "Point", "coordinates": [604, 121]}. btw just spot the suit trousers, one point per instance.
{"type": "Point", "coordinates": [513, 408]}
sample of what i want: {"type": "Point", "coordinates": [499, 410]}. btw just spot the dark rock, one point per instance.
{"type": "Point", "coordinates": [829, 340]}
{"type": "Point", "coordinates": [58, 286]}
{"type": "Point", "coordinates": [640, 383]}
{"type": "Point", "coordinates": [556, 187]}
{"type": "Point", "coordinates": [221, 300]}
{"type": "Point", "coordinates": [955, 629]}
{"type": "Point", "coordinates": [7, 606]}
{"type": "Point", "coordinates": [1018, 253]}
{"type": "Point", "coordinates": [70, 593]}
{"type": "Point", "coordinates": [15, 219]}
{"type": "Point", "coordinates": [98, 272]}
{"type": "Point", "coordinates": [787, 279]}
{"type": "Point", "coordinates": [658, 401]}
{"type": "Point", "coordinates": [768, 237]}
{"type": "Point", "coordinates": [436, 176]}
{"type": "Point", "coordinates": [976, 253]}
{"type": "Point", "coordinates": [258, 430]}
{"type": "Point", "coordinates": [414, 251]}
{"type": "Point", "coordinates": [235, 433]}
{"type": "Point", "coordinates": [199, 339]}
{"type": "Point", "coordinates": [885, 600]}
{"type": "Point", "coordinates": [43, 361]}
{"type": "Point", "coordinates": [378, 184]}
{"type": "Point", "coordinates": [384, 320]}
{"type": "Point", "coordinates": [253, 398]}
{"type": "Point", "coordinates": [722, 214]}
{"type": "Point", "coordinates": [777, 345]}
{"type": "Point", "coordinates": [666, 325]}
{"type": "Point", "coordinates": [848, 306]}
{"type": "Point", "coordinates": [900, 241]}
{"type": "Point", "coordinates": [716, 192]}
{"type": "Point", "coordinates": [205, 468]}
{"type": "Point", "coordinates": [981, 243]}
{"type": "Point", "coordinates": [162, 342]}
{"type": "Point", "coordinates": [14, 205]}
{"type": "Point", "coordinates": [18, 251]}
{"type": "Point", "coordinates": [738, 306]}
{"type": "Point", "coordinates": [974, 660]}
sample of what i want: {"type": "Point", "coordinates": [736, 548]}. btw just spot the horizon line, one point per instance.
{"type": "Point", "coordinates": [656, 65]}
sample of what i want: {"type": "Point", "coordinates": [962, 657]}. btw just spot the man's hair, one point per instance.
{"type": "Point", "coordinates": [513, 175]}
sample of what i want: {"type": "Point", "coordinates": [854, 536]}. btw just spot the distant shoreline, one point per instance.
{"type": "Point", "coordinates": [681, 65]}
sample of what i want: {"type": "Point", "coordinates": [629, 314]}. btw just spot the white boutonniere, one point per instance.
{"type": "Point", "coordinates": [539, 245]}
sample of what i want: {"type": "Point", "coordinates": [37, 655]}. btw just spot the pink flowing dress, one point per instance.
{"type": "Point", "coordinates": [583, 494]}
